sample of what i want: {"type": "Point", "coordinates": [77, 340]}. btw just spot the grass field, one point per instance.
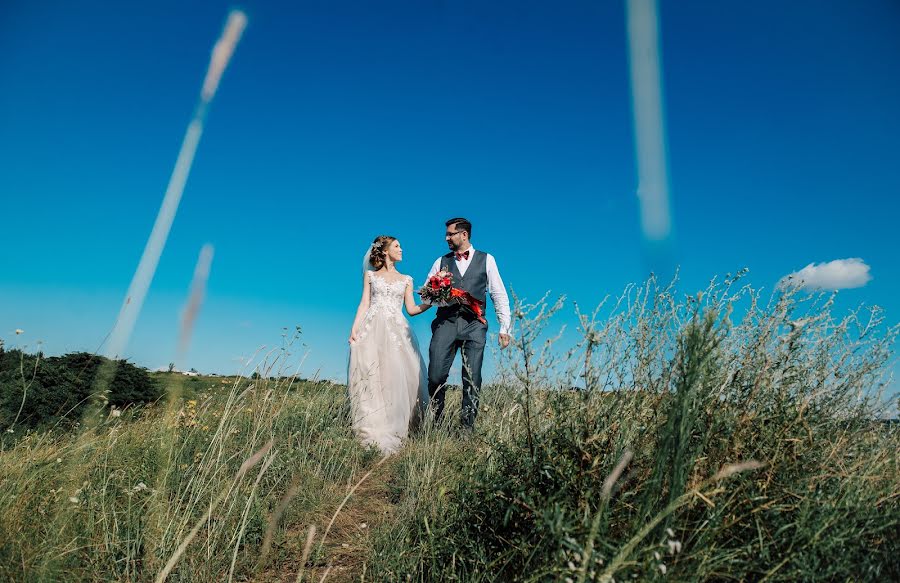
{"type": "Point", "coordinates": [697, 449]}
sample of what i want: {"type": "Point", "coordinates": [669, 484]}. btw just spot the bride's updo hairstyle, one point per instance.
{"type": "Point", "coordinates": [379, 250]}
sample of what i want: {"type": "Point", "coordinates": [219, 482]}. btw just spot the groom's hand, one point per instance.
{"type": "Point", "coordinates": [504, 341]}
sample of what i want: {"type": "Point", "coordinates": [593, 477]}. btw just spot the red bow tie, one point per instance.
{"type": "Point", "coordinates": [463, 255]}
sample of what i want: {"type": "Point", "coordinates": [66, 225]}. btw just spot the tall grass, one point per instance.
{"type": "Point", "coordinates": [118, 502]}
{"type": "Point", "coordinates": [700, 447]}
{"type": "Point", "coordinates": [713, 437]}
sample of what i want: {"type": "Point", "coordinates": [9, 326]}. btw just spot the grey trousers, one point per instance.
{"type": "Point", "coordinates": [447, 336]}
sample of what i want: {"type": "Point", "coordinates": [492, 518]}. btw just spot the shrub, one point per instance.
{"type": "Point", "coordinates": [34, 391]}
{"type": "Point", "coordinates": [37, 391]}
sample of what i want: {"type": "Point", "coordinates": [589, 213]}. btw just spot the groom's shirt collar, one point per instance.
{"type": "Point", "coordinates": [463, 264]}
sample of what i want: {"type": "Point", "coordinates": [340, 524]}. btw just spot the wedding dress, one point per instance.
{"type": "Point", "coordinates": [386, 377]}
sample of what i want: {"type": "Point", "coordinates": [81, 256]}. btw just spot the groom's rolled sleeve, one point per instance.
{"type": "Point", "coordinates": [498, 294]}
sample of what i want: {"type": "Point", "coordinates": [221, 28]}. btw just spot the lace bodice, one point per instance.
{"type": "Point", "coordinates": [386, 301]}
{"type": "Point", "coordinates": [385, 296]}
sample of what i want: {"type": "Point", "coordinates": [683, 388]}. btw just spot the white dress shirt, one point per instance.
{"type": "Point", "coordinates": [496, 289]}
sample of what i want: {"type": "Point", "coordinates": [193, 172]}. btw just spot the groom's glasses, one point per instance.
{"type": "Point", "coordinates": [449, 234]}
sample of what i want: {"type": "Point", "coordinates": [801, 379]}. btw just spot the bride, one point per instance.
{"type": "Point", "coordinates": [386, 376]}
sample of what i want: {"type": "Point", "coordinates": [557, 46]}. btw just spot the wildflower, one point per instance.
{"type": "Point", "coordinates": [116, 413]}
{"type": "Point", "coordinates": [363, 525]}
{"type": "Point", "coordinates": [140, 486]}
{"type": "Point", "coordinates": [670, 532]}
{"type": "Point", "coordinates": [662, 568]}
{"type": "Point", "coordinates": [73, 499]}
{"type": "Point", "coordinates": [571, 565]}
{"type": "Point", "coordinates": [59, 460]}
{"type": "Point", "coordinates": [656, 555]}
{"type": "Point", "coordinates": [674, 546]}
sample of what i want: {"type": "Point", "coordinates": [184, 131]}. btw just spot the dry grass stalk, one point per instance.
{"type": "Point", "coordinates": [310, 536]}
{"type": "Point", "coordinates": [347, 497]}
{"type": "Point", "coordinates": [248, 463]}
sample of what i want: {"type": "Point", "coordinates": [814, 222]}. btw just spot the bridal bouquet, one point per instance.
{"type": "Point", "coordinates": [439, 290]}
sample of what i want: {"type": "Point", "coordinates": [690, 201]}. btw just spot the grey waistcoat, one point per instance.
{"type": "Point", "coordinates": [475, 281]}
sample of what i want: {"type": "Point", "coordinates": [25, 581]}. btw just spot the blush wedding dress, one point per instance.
{"type": "Point", "coordinates": [386, 377]}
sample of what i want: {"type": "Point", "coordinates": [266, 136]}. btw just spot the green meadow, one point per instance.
{"type": "Point", "coordinates": [723, 436]}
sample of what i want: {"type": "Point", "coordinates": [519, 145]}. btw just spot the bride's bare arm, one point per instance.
{"type": "Point", "coordinates": [361, 310]}
{"type": "Point", "coordinates": [411, 308]}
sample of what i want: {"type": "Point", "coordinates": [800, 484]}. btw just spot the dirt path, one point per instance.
{"type": "Point", "coordinates": [347, 542]}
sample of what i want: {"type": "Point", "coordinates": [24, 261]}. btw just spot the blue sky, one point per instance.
{"type": "Point", "coordinates": [337, 121]}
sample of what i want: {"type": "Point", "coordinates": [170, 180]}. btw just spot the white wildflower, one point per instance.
{"type": "Point", "coordinates": [674, 546]}
{"type": "Point", "coordinates": [662, 568]}
{"type": "Point", "coordinates": [670, 532]}
{"type": "Point", "coordinates": [59, 460]}
{"type": "Point", "coordinates": [656, 555]}
{"type": "Point", "coordinates": [139, 487]}
{"type": "Point", "coordinates": [73, 499]}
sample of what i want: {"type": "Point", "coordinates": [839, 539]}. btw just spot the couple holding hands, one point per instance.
{"type": "Point", "coordinates": [389, 386]}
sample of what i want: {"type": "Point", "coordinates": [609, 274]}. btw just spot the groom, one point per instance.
{"type": "Point", "coordinates": [455, 328]}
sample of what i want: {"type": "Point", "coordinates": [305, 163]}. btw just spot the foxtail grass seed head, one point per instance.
{"type": "Point", "coordinates": [222, 51]}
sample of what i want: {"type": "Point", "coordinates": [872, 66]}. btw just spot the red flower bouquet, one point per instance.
{"type": "Point", "coordinates": [439, 290]}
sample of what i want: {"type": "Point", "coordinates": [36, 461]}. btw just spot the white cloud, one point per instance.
{"type": "Point", "coordinates": [837, 274]}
